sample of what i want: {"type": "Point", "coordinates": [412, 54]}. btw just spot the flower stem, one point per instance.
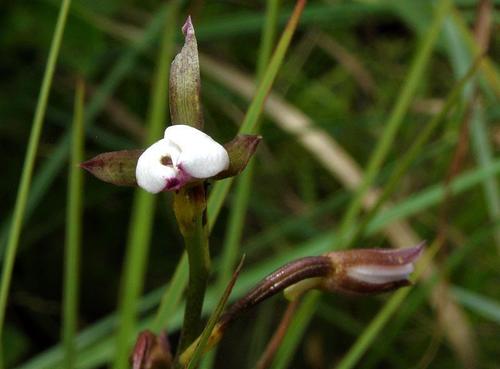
{"type": "Point", "coordinates": [190, 210]}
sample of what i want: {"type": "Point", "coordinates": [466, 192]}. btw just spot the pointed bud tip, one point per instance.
{"type": "Point", "coordinates": [255, 139]}
{"type": "Point", "coordinates": [116, 167]}
{"type": "Point", "coordinates": [240, 150]}
{"type": "Point", "coordinates": [410, 254]}
{"type": "Point", "coordinates": [90, 164]}
{"type": "Point", "coordinates": [251, 141]}
{"type": "Point", "coordinates": [187, 28]}
{"type": "Point", "coordinates": [368, 271]}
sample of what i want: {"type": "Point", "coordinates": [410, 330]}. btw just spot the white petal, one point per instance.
{"type": "Point", "coordinates": [150, 173]}
{"type": "Point", "coordinates": [200, 156]}
{"type": "Point", "coordinates": [380, 274]}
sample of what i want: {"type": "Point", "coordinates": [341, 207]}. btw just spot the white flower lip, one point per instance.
{"type": "Point", "coordinates": [185, 153]}
{"type": "Point", "coordinates": [373, 274]}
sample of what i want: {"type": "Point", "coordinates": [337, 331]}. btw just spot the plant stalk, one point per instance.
{"type": "Point", "coordinates": [190, 207]}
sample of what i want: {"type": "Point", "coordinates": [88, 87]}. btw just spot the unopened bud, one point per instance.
{"type": "Point", "coordinates": [360, 271]}
{"type": "Point", "coordinates": [363, 271]}
{"type": "Point", "coordinates": [151, 351]}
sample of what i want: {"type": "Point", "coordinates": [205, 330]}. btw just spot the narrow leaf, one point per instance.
{"type": "Point", "coordinates": [73, 232]}
{"type": "Point", "coordinates": [202, 342]}
{"type": "Point", "coordinates": [20, 206]}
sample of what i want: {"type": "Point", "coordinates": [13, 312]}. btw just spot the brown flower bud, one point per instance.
{"type": "Point", "coordinates": [359, 271]}
{"type": "Point", "coordinates": [363, 271]}
{"type": "Point", "coordinates": [151, 351]}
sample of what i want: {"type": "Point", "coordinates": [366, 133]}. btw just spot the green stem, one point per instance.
{"type": "Point", "coordinates": [190, 210]}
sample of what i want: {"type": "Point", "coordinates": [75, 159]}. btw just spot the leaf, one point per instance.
{"type": "Point", "coordinates": [194, 352]}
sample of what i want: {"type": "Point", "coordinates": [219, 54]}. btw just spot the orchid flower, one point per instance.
{"type": "Point", "coordinates": [183, 155]}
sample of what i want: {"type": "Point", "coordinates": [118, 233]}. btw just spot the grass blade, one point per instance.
{"type": "Point", "coordinates": [296, 330]}
{"type": "Point", "coordinates": [408, 90]}
{"type": "Point", "coordinates": [254, 112]}
{"type": "Point", "coordinates": [483, 306]}
{"type": "Point", "coordinates": [416, 300]}
{"type": "Point", "coordinates": [54, 164]}
{"type": "Point", "coordinates": [29, 162]}
{"type": "Point", "coordinates": [396, 117]}
{"type": "Point", "coordinates": [243, 187]}
{"type": "Point", "coordinates": [405, 161]}
{"type": "Point", "coordinates": [172, 296]}
{"type": "Point", "coordinates": [460, 55]}
{"type": "Point", "coordinates": [73, 232]}
{"type": "Point", "coordinates": [484, 156]}
{"type": "Point", "coordinates": [204, 338]}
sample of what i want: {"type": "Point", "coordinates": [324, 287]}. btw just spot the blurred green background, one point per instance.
{"type": "Point", "coordinates": [342, 80]}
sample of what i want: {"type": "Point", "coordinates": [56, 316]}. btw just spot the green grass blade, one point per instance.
{"type": "Point", "coordinates": [338, 13]}
{"type": "Point", "coordinates": [212, 321]}
{"type": "Point", "coordinates": [421, 292]}
{"type": "Point", "coordinates": [268, 36]}
{"type": "Point", "coordinates": [408, 91]}
{"type": "Point", "coordinates": [242, 191]}
{"type": "Point", "coordinates": [432, 196]}
{"type": "Point", "coordinates": [417, 146]}
{"type": "Point", "coordinates": [370, 333]}
{"type": "Point", "coordinates": [55, 163]}
{"type": "Point", "coordinates": [73, 232]}
{"type": "Point", "coordinates": [483, 306]}
{"type": "Point", "coordinates": [29, 162]}
{"type": "Point", "coordinates": [254, 112]}
{"type": "Point", "coordinates": [299, 324]}
{"type": "Point", "coordinates": [396, 117]}
{"type": "Point", "coordinates": [460, 55]}
{"type": "Point", "coordinates": [172, 296]}
{"type": "Point", "coordinates": [98, 337]}
{"type": "Point", "coordinates": [484, 155]}
{"type": "Point", "coordinates": [144, 203]}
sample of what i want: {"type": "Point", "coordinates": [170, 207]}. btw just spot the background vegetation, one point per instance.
{"type": "Point", "coordinates": [368, 97]}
